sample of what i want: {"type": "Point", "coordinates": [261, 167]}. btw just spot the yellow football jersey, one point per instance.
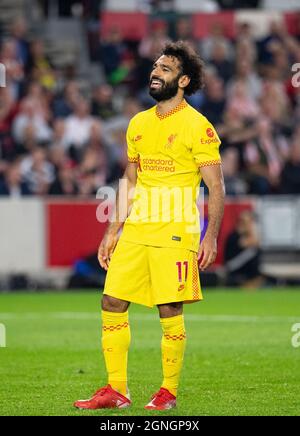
{"type": "Point", "coordinates": [170, 151]}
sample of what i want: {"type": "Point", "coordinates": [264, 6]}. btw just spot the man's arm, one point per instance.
{"type": "Point", "coordinates": [213, 178]}
{"type": "Point", "coordinates": [122, 207]}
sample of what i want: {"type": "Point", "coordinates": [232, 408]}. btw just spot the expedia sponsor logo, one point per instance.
{"type": "Point", "coordinates": [214, 140]}
{"type": "Point", "coordinates": [212, 137]}
{"type": "Point", "coordinates": [210, 133]}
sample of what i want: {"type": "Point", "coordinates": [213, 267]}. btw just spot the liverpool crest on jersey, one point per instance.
{"type": "Point", "coordinates": [170, 142]}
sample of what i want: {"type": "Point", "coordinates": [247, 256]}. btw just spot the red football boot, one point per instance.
{"type": "Point", "coordinates": [162, 400]}
{"type": "Point", "coordinates": [104, 398]}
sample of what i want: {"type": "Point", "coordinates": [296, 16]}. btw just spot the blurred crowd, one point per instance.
{"type": "Point", "coordinates": [59, 138]}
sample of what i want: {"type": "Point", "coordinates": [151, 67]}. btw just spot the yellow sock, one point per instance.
{"type": "Point", "coordinates": [173, 346]}
{"type": "Point", "coordinates": [115, 344]}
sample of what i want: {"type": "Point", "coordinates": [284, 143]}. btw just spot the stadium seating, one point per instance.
{"type": "Point", "coordinates": [203, 23]}
{"type": "Point", "coordinates": [133, 26]}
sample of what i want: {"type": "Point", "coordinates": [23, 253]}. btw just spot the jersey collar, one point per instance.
{"type": "Point", "coordinates": [178, 108]}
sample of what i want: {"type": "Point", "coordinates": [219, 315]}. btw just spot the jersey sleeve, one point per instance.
{"type": "Point", "coordinates": [132, 153]}
{"type": "Point", "coordinates": [206, 144]}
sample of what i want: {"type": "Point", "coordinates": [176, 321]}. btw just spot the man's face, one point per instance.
{"type": "Point", "coordinates": [164, 78]}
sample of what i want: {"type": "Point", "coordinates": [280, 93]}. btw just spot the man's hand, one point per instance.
{"type": "Point", "coordinates": [207, 252]}
{"type": "Point", "coordinates": [106, 248]}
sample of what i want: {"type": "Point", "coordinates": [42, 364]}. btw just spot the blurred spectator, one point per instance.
{"type": "Point", "coordinates": [152, 45]}
{"type": "Point", "coordinates": [94, 163]}
{"type": "Point", "coordinates": [14, 67]}
{"type": "Point", "coordinates": [275, 104]}
{"type": "Point", "coordinates": [39, 67]}
{"type": "Point", "coordinates": [64, 183]}
{"type": "Point", "coordinates": [39, 98]}
{"type": "Point", "coordinates": [8, 110]}
{"type": "Point", "coordinates": [148, 50]}
{"type": "Point", "coordinates": [269, 42]}
{"type": "Point", "coordinates": [125, 73]}
{"type": "Point", "coordinates": [243, 255]}
{"type": "Point", "coordinates": [78, 125]}
{"type": "Point", "coordinates": [184, 31]}
{"type": "Point", "coordinates": [281, 67]}
{"type": "Point", "coordinates": [102, 103]}
{"type": "Point", "coordinates": [37, 172]}
{"type": "Point", "coordinates": [245, 73]}
{"type": "Point", "coordinates": [246, 49]}
{"type": "Point", "coordinates": [19, 34]}
{"type": "Point", "coordinates": [99, 155]}
{"type": "Point", "coordinates": [241, 102]}
{"type": "Point", "coordinates": [290, 178]}
{"type": "Point", "coordinates": [92, 172]}
{"type": "Point", "coordinates": [58, 137]}
{"type": "Point", "coordinates": [216, 36]}
{"type": "Point", "coordinates": [131, 107]}
{"type": "Point", "coordinates": [244, 33]}
{"type": "Point", "coordinates": [236, 131]}
{"type": "Point", "coordinates": [214, 103]}
{"type": "Point", "coordinates": [111, 49]}
{"type": "Point", "coordinates": [234, 184]}
{"type": "Point", "coordinates": [13, 185]}
{"type": "Point", "coordinates": [264, 156]}
{"type": "Point", "coordinates": [58, 157]}
{"type": "Point", "coordinates": [63, 105]}
{"type": "Point", "coordinates": [220, 60]}
{"type": "Point", "coordinates": [30, 118]}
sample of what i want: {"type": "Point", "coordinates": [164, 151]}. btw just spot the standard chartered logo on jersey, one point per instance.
{"type": "Point", "coordinates": [2, 76]}
{"type": "Point", "coordinates": [2, 336]}
{"type": "Point", "coordinates": [153, 204]}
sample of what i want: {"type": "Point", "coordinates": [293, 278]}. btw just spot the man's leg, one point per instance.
{"type": "Point", "coordinates": [172, 344]}
{"type": "Point", "coordinates": [115, 341]}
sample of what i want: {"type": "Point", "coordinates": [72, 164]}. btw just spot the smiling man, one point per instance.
{"type": "Point", "coordinates": [171, 147]}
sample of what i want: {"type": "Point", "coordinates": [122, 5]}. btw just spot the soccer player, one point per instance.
{"type": "Point", "coordinates": [171, 147]}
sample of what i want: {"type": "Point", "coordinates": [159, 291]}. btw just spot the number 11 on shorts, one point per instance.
{"type": "Point", "coordinates": [180, 266]}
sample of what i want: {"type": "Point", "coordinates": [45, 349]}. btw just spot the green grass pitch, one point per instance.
{"type": "Point", "coordinates": [239, 358]}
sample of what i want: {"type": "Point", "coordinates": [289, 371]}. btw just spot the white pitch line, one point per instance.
{"type": "Point", "coordinates": [85, 316]}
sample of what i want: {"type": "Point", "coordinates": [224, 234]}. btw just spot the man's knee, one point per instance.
{"type": "Point", "coordinates": [111, 304]}
{"type": "Point", "coordinates": [170, 310]}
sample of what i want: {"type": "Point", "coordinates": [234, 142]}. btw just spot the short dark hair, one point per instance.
{"type": "Point", "coordinates": [191, 64]}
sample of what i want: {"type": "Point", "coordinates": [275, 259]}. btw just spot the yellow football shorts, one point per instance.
{"type": "Point", "coordinates": [150, 276]}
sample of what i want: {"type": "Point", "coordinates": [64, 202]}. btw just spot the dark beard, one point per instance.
{"type": "Point", "coordinates": [166, 92]}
